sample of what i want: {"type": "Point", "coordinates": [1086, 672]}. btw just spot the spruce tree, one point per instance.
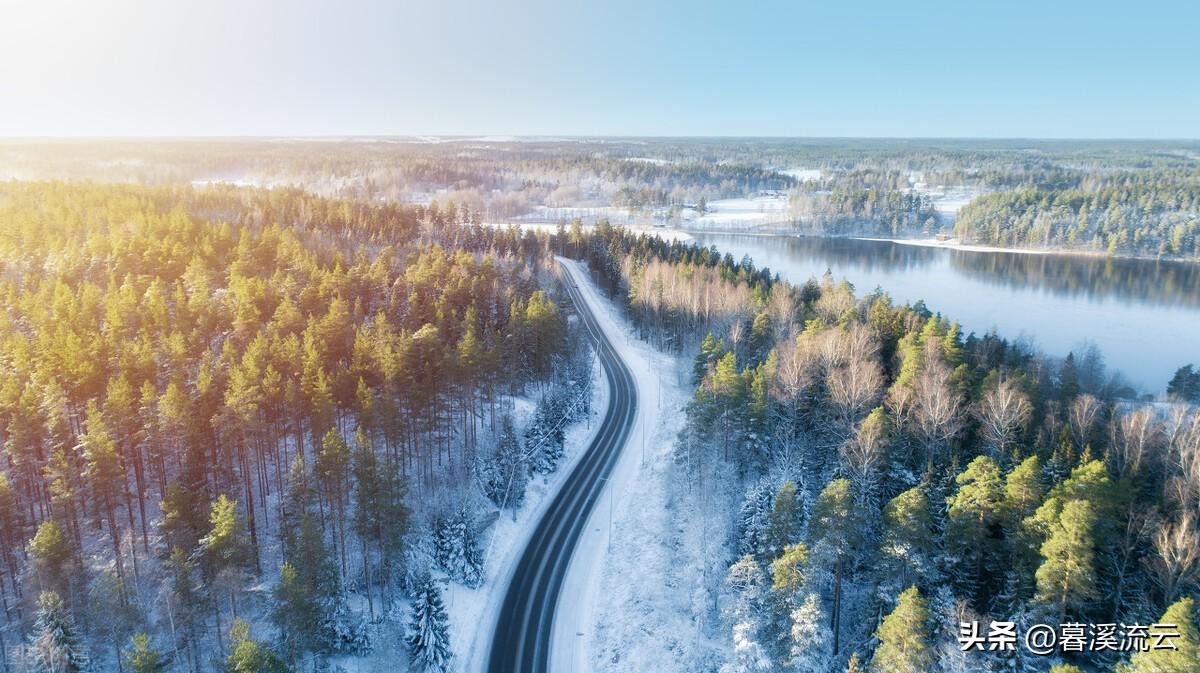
{"type": "Point", "coordinates": [785, 519]}
{"type": "Point", "coordinates": [428, 636]}
{"type": "Point", "coordinates": [56, 646]}
{"type": "Point", "coordinates": [809, 637]}
{"type": "Point", "coordinates": [904, 637]}
{"type": "Point", "coordinates": [456, 549]}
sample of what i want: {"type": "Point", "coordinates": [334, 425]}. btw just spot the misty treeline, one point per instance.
{"type": "Point", "coordinates": [249, 430]}
{"type": "Point", "coordinates": [1117, 197]}
{"type": "Point", "coordinates": [894, 477]}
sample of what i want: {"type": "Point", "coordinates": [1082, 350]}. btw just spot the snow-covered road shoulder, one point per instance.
{"type": "Point", "coordinates": [606, 573]}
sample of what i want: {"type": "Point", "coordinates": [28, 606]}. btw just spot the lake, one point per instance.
{"type": "Point", "coordinates": [1143, 314]}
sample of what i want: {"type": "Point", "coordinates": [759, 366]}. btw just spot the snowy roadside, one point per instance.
{"type": "Point", "coordinates": [473, 612]}
{"type": "Point", "coordinates": [627, 605]}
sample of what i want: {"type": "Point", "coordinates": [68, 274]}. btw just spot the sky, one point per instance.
{"type": "Point", "coordinates": [962, 68]}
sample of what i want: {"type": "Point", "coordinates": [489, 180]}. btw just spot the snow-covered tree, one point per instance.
{"type": "Point", "coordinates": [754, 521]}
{"type": "Point", "coordinates": [428, 636]}
{"type": "Point", "coordinates": [810, 637]}
{"type": "Point", "coordinates": [544, 435]}
{"type": "Point", "coordinates": [56, 647]}
{"type": "Point", "coordinates": [456, 549]}
{"type": "Point", "coordinates": [748, 655]}
{"type": "Point", "coordinates": [504, 475]}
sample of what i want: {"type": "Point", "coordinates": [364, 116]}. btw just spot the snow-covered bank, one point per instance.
{"type": "Point", "coordinates": [954, 244]}
{"type": "Point", "coordinates": [473, 612]}
{"type": "Point", "coordinates": [634, 583]}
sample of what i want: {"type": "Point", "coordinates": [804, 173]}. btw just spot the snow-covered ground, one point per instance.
{"type": "Point", "coordinates": [803, 174]}
{"type": "Point", "coordinates": [636, 579]}
{"type": "Point", "coordinates": [764, 208]}
{"type": "Point", "coordinates": [666, 233]}
{"type": "Point", "coordinates": [473, 612]}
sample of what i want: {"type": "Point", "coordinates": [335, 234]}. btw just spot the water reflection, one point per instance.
{"type": "Point", "coordinates": [1144, 314]}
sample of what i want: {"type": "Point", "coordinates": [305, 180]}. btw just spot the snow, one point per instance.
{"type": "Point", "coordinates": [803, 174]}
{"type": "Point", "coordinates": [473, 612]}
{"type": "Point", "coordinates": [665, 233]}
{"type": "Point", "coordinates": [764, 208]}
{"type": "Point", "coordinates": [630, 597]}
{"type": "Point", "coordinates": [955, 244]}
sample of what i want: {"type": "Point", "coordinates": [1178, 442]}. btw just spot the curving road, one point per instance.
{"type": "Point", "coordinates": [523, 630]}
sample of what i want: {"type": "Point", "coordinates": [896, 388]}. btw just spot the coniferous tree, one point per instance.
{"type": "Point", "coordinates": [908, 538]}
{"type": "Point", "coordinates": [141, 655]}
{"type": "Point", "coordinates": [457, 551]}
{"type": "Point", "coordinates": [1066, 579]}
{"type": "Point", "coordinates": [904, 637]}
{"type": "Point", "coordinates": [974, 516]}
{"type": "Point", "coordinates": [248, 655]}
{"type": "Point", "coordinates": [837, 529]}
{"type": "Point", "coordinates": [809, 637]}
{"type": "Point", "coordinates": [56, 646]}
{"type": "Point", "coordinates": [1179, 654]}
{"type": "Point", "coordinates": [428, 636]}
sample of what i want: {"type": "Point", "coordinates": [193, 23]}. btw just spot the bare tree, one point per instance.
{"type": "Point", "coordinates": [1085, 409]}
{"type": "Point", "coordinates": [1135, 437]}
{"type": "Point", "coordinates": [1003, 412]}
{"type": "Point", "coordinates": [855, 384]}
{"type": "Point", "coordinates": [1176, 567]}
{"type": "Point", "coordinates": [937, 408]}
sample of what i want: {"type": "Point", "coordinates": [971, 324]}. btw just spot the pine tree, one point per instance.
{"type": "Point", "coordinates": [141, 655]}
{"type": "Point", "coordinates": [908, 538]}
{"type": "Point", "coordinates": [837, 529]}
{"type": "Point", "coordinates": [974, 515]}
{"type": "Point", "coordinates": [1067, 577]}
{"type": "Point", "coordinates": [225, 546]}
{"type": "Point", "coordinates": [56, 646]}
{"type": "Point", "coordinates": [1180, 655]}
{"type": "Point", "coordinates": [248, 655]}
{"type": "Point", "coordinates": [428, 636]}
{"type": "Point", "coordinates": [305, 595]}
{"type": "Point", "coordinates": [52, 558]}
{"type": "Point", "coordinates": [904, 637]}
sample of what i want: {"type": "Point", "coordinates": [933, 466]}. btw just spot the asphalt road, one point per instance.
{"type": "Point", "coordinates": [523, 630]}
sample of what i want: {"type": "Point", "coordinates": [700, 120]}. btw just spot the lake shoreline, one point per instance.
{"type": "Point", "coordinates": [951, 244]}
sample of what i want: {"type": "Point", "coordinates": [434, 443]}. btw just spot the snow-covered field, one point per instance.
{"type": "Point", "coordinates": [631, 596]}
{"type": "Point", "coordinates": [726, 213]}
{"type": "Point", "coordinates": [803, 174]}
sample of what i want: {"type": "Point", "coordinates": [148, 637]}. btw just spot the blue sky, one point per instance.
{"type": "Point", "coordinates": [1054, 68]}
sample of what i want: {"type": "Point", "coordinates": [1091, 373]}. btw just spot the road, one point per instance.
{"type": "Point", "coordinates": [525, 624]}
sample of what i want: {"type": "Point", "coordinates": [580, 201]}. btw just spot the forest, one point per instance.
{"type": "Point", "coordinates": [1121, 198]}
{"type": "Point", "coordinates": [881, 478]}
{"type": "Point", "coordinates": [254, 430]}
